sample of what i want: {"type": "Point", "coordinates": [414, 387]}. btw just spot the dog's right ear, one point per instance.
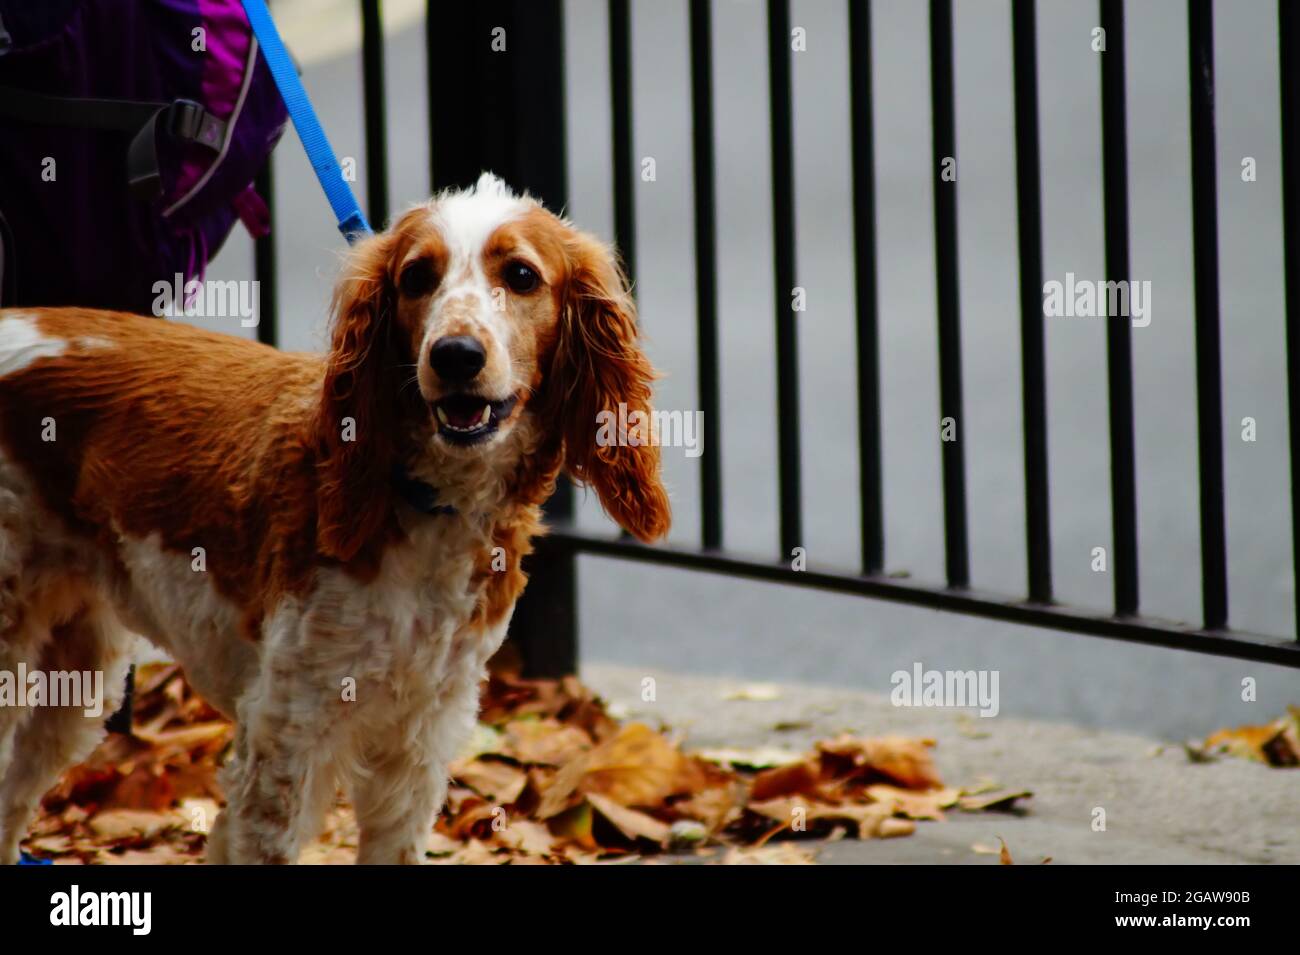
{"type": "Point", "coordinates": [355, 427]}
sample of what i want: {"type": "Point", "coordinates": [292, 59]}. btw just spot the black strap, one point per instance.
{"type": "Point", "coordinates": [421, 496]}
{"type": "Point", "coordinates": [8, 265]}
{"type": "Point", "coordinates": [143, 172]}
{"type": "Point", "coordinates": [42, 109]}
{"type": "Point", "coordinates": [184, 119]}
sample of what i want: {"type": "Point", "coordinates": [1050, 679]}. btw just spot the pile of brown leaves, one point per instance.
{"type": "Point", "coordinates": [550, 777]}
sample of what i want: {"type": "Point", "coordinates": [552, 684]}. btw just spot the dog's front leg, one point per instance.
{"type": "Point", "coordinates": [405, 786]}
{"type": "Point", "coordinates": [281, 773]}
{"type": "Point", "coordinates": [256, 827]}
{"type": "Point", "coordinates": [264, 784]}
{"type": "Point", "coordinates": [395, 804]}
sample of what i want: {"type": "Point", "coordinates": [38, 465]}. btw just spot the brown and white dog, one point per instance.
{"type": "Point", "coordinates": [261, 515]}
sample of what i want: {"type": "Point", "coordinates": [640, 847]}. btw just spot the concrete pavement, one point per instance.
{"type": "Point", "coordinates": [1159, 806]}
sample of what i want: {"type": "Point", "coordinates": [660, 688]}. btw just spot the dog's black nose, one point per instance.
{"type": "Point", "coordinates": [457, 357]}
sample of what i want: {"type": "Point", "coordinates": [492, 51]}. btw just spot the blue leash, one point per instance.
{"type": "Point", "coordinates": [352, 221]}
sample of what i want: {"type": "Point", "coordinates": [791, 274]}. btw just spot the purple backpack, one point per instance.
{"type": "Point", "coordinates": [130, 135]}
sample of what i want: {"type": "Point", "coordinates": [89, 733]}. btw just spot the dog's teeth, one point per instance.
{"type": "Point", "coordinates": [442, 416]}
{"type": "Point", "coordinates": [486, 416]}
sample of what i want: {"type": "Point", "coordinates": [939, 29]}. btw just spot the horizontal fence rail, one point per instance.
{"type": "Point", "coordinates": [521, 96]}
{"type": "Point", "coordinates": [961, 600]}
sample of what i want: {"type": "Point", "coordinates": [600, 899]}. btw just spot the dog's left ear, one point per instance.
{"type": "Point", "coordinates": [602, 381]}
{"type": "Point", "coordinates": [355, 427]}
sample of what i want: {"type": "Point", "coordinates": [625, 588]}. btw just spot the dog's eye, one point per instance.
{"type": "Point", "coordinates": [417, 279]}
{"type": "Point", "coordinates": [521, 278]}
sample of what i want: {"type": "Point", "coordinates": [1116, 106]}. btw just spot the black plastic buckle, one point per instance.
{"type": "Point", "coordinates": [185, 119]}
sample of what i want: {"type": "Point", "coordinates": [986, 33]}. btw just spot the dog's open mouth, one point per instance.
{"type": "Point", "coordinates": [467, 419]}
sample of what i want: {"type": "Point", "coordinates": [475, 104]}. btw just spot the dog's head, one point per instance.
{"type": "Point", "coordinates": [473, 314]}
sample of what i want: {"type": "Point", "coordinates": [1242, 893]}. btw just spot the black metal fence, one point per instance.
{"type": "Point", "coordinates": [506, 113]}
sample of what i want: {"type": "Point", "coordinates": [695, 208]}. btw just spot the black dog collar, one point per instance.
{"type": "Point", "coordinates": [421, 496]}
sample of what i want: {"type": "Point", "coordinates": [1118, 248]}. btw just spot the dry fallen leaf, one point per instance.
{"type": "Point", "coordinates": [630, 822]}
{"type": "Point", "coordinates": [714, 807]}
{"type": "Point", "coordinates": [754, 692]}
{"type": "Point", "coordinates": [114, 824]}
{"type": "Point", "coordinates": [784, 853]}
{"type": "Point", "coordinates": [545, 741]}
{"type": "Point", "coordinates": [996, 801]}
{"type": "Point", "coordinates": [439, 844]}
{"type": "Point", "coordinates": [928, 804]}
{"type": "Point", "coordinates": [871, 819]}
{"type": "Point", "coordinates": [801, 777]}
{"type": "Point", "coordinates": [763, 757]}
{"type": "Point", "coordinates": [491, 779]}
{"type": "Point", "coordinates": [524, 835]}
{"type": "Point", "coordinates": [575, 826]}
{"type": "Point", "coordinates": [1276, 744]}
{"type": "Point", "coordinates": [904, 761]}
{"type": "Point", "coordinates": [637, 767]}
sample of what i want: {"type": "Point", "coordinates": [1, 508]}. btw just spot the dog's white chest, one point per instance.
{"type": "Point", "coordinates": [413, 625]}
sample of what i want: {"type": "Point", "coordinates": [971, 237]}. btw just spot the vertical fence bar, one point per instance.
{"type": "Point", "coordinates": [706, 290]}
{"type": "Point", "coordinates": [1033, 377]}
{"type": "Point", "coordinates": [620, 93]}
{"type": "Point", "coordinates": [372, 70]}
{"type": "Point", "coordinates": [1119, 347]}
{"type": "Point", "coordinates": [945, 249]}
{"type": "Point", "coordinates": [864, 274]}
{"type": "Point", "coordinates": [504, 111]}
{"type": "Point", "coordinates": [1288, 16]}
{"type": "Point", "coordinates": [1205, 267]}
{"type": "Point", "coordinates": [787, 339]}
{"type": "Point", "coordinates": [545, 624]}
{"type": "Point", "coordinates": [264, 269]}
{"type": "Point", "coordinates": [620, 89]}
{"type": "Point", "coordinates": [435, 29]}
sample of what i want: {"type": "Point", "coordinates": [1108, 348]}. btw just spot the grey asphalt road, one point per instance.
{"type": "Point", "coordinates": [640, 616]}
